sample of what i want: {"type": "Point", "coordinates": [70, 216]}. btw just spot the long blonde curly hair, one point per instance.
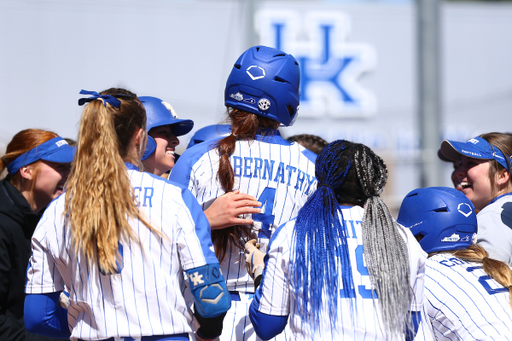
{"type": "Point", "coordinates": [100, 198]}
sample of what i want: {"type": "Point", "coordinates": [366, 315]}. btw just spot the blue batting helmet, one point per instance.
{"type": "Point", "coordinates": [441, 218]}
{"type": "Point", "coordinates": [160, 113]}
{"type": "Point", "coordinates": [208, 133]}
{"type": "Point", "coordinates": [265, 81]}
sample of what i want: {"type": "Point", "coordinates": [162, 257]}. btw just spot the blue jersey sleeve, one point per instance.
{"type": "Point", "coordinates": [266, 326]}
{"type": "Point", "coordinates": [202, 226]}
{"type": "Point", "coordinates": [44, 316]}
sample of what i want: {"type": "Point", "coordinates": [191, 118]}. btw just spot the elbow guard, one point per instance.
{"type": "Point", "coordinates": [208, 287]}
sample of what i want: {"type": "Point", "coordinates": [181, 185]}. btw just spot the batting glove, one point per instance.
{"type": "Point", "coordinates": [254, 259]}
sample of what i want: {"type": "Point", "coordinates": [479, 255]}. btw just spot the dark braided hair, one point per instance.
{"type": "Point", "coordinates": [312, 142]}
{"type": "Point", "coordinates": [348, 173]}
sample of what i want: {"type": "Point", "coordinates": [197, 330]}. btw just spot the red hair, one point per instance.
{"type": "Point", "coordinates": [21, 143]}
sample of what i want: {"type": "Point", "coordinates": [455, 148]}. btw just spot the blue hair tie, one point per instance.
{"type": "Point", "coordinates": [106, 98]}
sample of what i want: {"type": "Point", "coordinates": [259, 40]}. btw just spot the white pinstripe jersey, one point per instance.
{"type": "Point", "coordinates": [145, 298]}
{"type": "Point", "coordinates": [275, 295]}
{"type": "Point", "coordinates": [463, 303]}
{"type": "Point", "coordinates": [280, 174]}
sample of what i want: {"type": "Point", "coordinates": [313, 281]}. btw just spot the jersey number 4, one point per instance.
{"type": "Point", "coordinates": [266, 218]}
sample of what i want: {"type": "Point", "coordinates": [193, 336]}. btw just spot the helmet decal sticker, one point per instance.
{"type": "Point", "coordinates": [264, 104]}
{"type": "Point", "coordinates": [238, 96]}
{"type": "Point", "coordinates": [171, 110]}
{"type": "Point", "coordinates": [453, 238]}
{"type": "Point", "coordinates": [255, 72]}
{"type": "Point", "coordinates": [250, 100]}
{"type": "Point", "coordinates": [464, 209]}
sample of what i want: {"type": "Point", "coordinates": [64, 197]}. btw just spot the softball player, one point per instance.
{"type": "Point", "coordinates": [261, 93]}
{"type": "Point", "coordinates": [327, 273]}
{"type": "Point", "coordinates": [109, 241]}
{"type": "Point", "coordinates": [163, 127]}
{"type": "Point", "coordinates": [468, 294]}
{"type": "Point", "coordinates": [483, 171]}
{"type": "Point", "coordinates": [38, 163]}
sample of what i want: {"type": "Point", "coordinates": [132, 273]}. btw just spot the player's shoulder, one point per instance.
{"type": "Point", "coordinates": [194, 153]}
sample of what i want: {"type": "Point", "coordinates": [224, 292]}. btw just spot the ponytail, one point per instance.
{"type": "Point", "coordinates": [497, 270]}
{"type": "Point", "coordinates": [244, 127]}
{"type": "Point", "coordinates": [100, 197]}
{"type": "Point", "coordinates": [385, 251]}
{"type": "Point", "coordinates": [319, 243]}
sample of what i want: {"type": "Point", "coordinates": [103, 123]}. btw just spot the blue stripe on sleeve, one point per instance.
{"type": "Point", "coordinates": [202, 226]}
{"type": "Point", "coordinates": [310, 155]}
{"type": "Point", "coordinates": [180, 173]}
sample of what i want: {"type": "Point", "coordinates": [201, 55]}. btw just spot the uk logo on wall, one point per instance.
{"type": "Point", "coordinates": [331, 66]}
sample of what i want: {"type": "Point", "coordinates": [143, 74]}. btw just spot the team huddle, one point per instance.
{"type": "Point", "coordinates": [246, 235]}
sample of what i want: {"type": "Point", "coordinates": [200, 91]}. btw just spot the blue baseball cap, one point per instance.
{"type": "Point", "coordinates": [476, 148]}
{"type": "Point", "coordinates": [54, 150]}
{"type": "Point", "coordinates": [160, 113]}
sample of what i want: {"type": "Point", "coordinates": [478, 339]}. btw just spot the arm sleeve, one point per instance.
{"type": "Point", "coordinates": [270, 306]}
{"type": "Point", "coordinates": [194, 239]}
{"type": "Point", "coordinates": [207, 285]}
{"type": "Point", "coordinates": [266, 326]}
{"type": "Point", "coordinates": [417, 261]}
{"type": "Point", "coordinates": [44, 316]}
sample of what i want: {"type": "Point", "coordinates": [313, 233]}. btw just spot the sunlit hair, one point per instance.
{"type": "Point", "coordinates": [100, 197]}
{"type": "Point", "coordinates": [245, 126]}
{"type": "Point", "coordinates": [312, 142]}
{"type": "Point", "coordinates": [21, 143]}
{"type": "Point", "coordinates": [504, 143]}
{"type": "Point", "coordinates": [349, 173]}
{"type": "Point", "coordinates": [497, 270]}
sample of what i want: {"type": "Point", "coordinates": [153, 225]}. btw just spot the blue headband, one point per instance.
{"type": "Point", "coordinates": [106, 98]}
{"type": "Point", "coordinates": [54, 150]}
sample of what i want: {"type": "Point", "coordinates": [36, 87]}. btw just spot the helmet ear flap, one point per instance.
{"type": "Point", "coordinates": [150, 148]}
